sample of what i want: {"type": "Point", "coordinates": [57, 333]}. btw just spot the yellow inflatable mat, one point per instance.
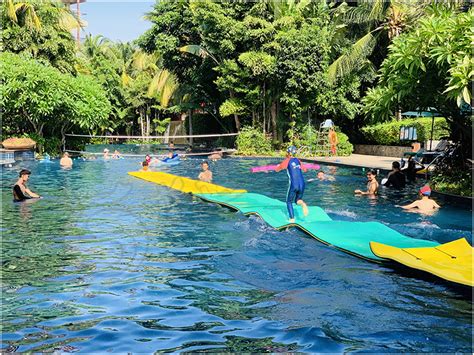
{"type": "Point", "coordinates": [451, 261]}
{"type": "Point", "coordinates": [183, 184]}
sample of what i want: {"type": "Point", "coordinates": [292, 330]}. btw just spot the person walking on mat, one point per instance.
{"type": "Point", "coordinates": [296, 187]}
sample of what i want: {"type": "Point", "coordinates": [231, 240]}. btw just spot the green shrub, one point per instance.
{"type": "Point", "coordinates": [456, 182]}
{"type": "Point", "coordinates": [252, 141]}
{"type": "Point", "coordinates": [344, 147]}
{"type": "Point", "coordinates": [388, 133]}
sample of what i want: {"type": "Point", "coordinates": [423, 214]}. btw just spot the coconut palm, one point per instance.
{"type": "Point", "coordinates": [381, 20]}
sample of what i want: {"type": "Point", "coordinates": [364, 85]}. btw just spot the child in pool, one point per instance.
{"type": "Point", "coordinates": [294, 169]}
{"type": "Point", "coordinates": [372, 184]}
{"type": "Point", "coordinates": [425, 204]}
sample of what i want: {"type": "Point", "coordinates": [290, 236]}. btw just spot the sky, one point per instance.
{"type": "Point", "coordinates": [118, 20]}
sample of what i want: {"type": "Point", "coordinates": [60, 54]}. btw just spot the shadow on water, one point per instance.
{"type": "Point", "coordinates": [107, 262]}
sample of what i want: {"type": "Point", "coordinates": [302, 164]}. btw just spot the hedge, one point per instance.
{"type": "Point", "coordinates": [388, 133]}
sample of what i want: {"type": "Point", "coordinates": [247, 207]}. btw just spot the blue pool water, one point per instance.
{"type": "Point", "coordinates": [110, 263]}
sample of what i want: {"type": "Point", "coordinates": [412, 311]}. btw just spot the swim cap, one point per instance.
{"type": "Point", "coordinates": [291, 150]}
{"type": "Point", "coordinates": [425, 190]}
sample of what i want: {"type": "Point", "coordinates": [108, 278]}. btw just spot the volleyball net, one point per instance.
{"type": "Point", "coordinates": [135, 146]}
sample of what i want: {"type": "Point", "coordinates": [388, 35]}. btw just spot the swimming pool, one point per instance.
{"type": "Point", "coordinates": [108, 262]}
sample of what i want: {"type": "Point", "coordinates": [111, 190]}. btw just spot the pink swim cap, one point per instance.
{"type": "Point", "coordinates": [425, 190]}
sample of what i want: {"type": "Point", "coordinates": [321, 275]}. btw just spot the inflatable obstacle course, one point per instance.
{"type": "Point", "coordinates": [451, 261]}
{"type": "Point", "coordinates": [373, 241]}
{"type": "Point", "coordinates": [182, 184]}
{"type": "Point", "coordinates": [350, 237]}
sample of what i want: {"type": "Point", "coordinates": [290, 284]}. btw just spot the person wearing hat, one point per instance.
{"type": "Point", "coordinates": [20, 190]}
{"type": "Point", "coordinates": [425, 204]}
{"type": "Point", "coordinates": [295, 170]}
{"type": "Point", "coordinates": [106, 154]}
{"type": "Point", "coordinates": [66, 161]}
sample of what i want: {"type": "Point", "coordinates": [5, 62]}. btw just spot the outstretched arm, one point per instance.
{"type": "Point", "coordinates": [283, 165]}
{"type": "Point", "coordinates": [410, 206]}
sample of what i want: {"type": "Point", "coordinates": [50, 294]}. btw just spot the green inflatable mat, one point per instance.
{"type": "Point", "coordinates": [351, 237]}
{"type": "Point", "coordinates": [272, 211]}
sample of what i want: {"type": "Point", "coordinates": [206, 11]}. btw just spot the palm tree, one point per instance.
{"type": "Point", "coordinates": [378, 18]}
{"type": "Point", "coordinates": [28, 14]}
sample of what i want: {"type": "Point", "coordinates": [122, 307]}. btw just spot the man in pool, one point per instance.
{"type": "Point", "coordinates": [296, 187]}
{"type": "Point", "coordinates": [20, 190]}
{"type": "Point", "coordinates": [425, 204]}
{"type": "Point", "coordinates": [372, 184]}
{"type": "Point", "coordinates": [395, 178]}
{"type": "Point", "coordinates": [66, 161]}
{"type": "Point", "coordinates": [205, 175]}
{"type": "Point", "coordinates": [106, 154]}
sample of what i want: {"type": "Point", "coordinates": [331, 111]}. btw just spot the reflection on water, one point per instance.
{"type": "Point", "coordinates": [107, 262]}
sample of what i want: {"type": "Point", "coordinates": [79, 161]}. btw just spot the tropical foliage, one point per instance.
{"type": "Point", "coordinates": [40, 99]}
{"type": "Point", "coordinates": [430, 66]}
{"type": "Point", "coordinates": [263, 61]}
{"type": "Point", "coordinates": [40, 29]}
{"type": "Point", "coordinates": [388, 133]}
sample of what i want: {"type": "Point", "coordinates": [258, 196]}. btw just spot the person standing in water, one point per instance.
{"type": "Point", "coordinates": [425, 204]}
{"type": "Point", "coordinates": [205, 175]}
{"type": "Point", "coordinates": [20, 190]}
{"type": "Point", "coordinates": [66, 161]}
{"type": "Point", "coordinates": [296, 187]}
{"type": "Point", "coordinates": [372, 184]}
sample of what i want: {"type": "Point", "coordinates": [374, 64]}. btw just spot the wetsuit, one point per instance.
{"type": "Point", "coordinates": [297, 185]}
{"type": "Point", "coordinates": [18, 194]}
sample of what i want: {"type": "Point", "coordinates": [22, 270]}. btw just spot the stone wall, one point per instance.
{"type": "Point", "coordinates": [381, 150]}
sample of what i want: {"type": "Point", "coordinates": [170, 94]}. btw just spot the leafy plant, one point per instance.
{"type": "Point", "coordinates": [252, 141]}
{"type": "Point", "coordinates": [388, 133]}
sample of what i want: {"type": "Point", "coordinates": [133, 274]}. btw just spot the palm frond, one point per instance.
{"type": "Point", "coordinates": [158, 82]}
{"type": "Point", "coordinates": [347, 62]}
{"type": "Point", "coordinates": [11, 11]}
{"type": "Point", "coordinates": [197, 50]}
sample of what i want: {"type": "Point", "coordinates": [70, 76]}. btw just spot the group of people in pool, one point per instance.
{"type": "Point", "coordinates": [293, 166]}
{"type": "Point", "coordinates": [115, 155]}
{"type": "Point", "coordinates": [396, 179]}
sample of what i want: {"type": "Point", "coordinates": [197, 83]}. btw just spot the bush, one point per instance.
{"type": "Point", "coordinates": [388, 133]}
{"type": "Point", "coordinates": [456, 182]}
{"type": "Point", "coordinates": [344, 147]}
{"type": "Point", "coordinates": [252, 141]}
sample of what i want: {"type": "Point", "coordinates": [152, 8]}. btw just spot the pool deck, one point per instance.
{"type": "Point", "coordinates": [359, 160]}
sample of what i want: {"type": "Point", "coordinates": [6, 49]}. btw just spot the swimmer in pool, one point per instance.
{"type": "Point", "coordinates": [205, 175]}
{"type": "Point", "coordinates": [144, 166]}
{"type": "Point", "coordinates": [116, 155]}
{"type": "Point", "coordinates": [372, 184]}
{"type": "Point", "coordinates": [106, 154]}
{"type": "Point", "coordinates": [296, 187]}
{"type": "Point", "coordinates": [215, 157]}
{"type": "Point", "coordinates": [20, 190]}
{"type": "Point", "coordinates": [425, 204]}
{"type": "Point", "coordinates": [170, 156]}
{"type": "Point", "coordinates": [66, 161]}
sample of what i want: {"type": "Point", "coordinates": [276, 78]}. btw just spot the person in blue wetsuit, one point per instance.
{"type": "Point", "coordinates": [295, 193]}
{"type": "Point", "coordinates": [171, 156]}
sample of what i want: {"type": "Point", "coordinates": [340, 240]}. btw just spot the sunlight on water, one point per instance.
{"type": "Point", "coordinates": [108, 262]}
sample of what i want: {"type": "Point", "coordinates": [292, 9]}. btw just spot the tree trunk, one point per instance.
{"type": "Point", "coordinates": [141, 122]}
{"type": "Point", "coordinates": [236, 117]}
{"type": "Point", "coordinates": [263, 111]}
{"type": "Point", "coordinates": [273, 115]}
{"type": "Point", "coordinates": [191, 141]}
